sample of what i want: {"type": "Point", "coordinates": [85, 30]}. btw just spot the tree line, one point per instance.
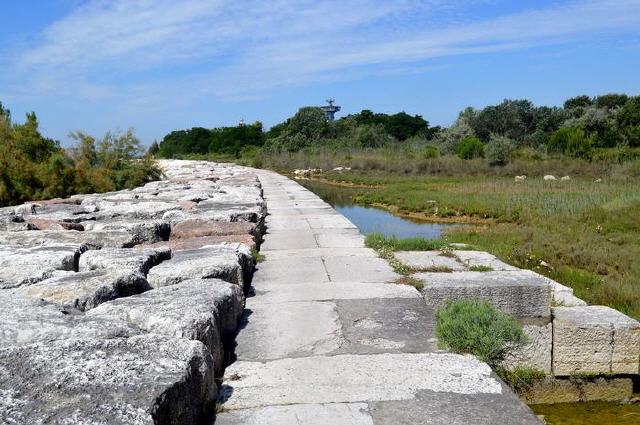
{"type": "Point", "coordinates": [582, 127]}
{"type": "Point", "coordinates": [35, 167]}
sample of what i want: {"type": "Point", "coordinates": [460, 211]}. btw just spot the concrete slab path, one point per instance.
{"type": "Point", "coordinates": [328, 338]}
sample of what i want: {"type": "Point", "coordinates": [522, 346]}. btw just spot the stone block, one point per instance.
{"type": "Point", "coordinates": [25, 266]}
{"type": "Point", "coordinates": [123, 259]}
{"type": "Point", "coordinates": [206, 310]}
{"type": "Point", "coordinates": [359, 269]}
{"type": "Point", "coordinates": [482, 259]}
{"type": "Point", "coordinates": [145, 379]}
{"type": "Point", "coordinates": [522, 293]}
{"type": "Point", "coordinates": [537, 353]}
{"type": "Point", "coordinates": [198, 228]}
{"type": "Point", "coordinates": [594, 339]}
{"type": "Point", "coordinates": [228, 263]}
{"type": "Point", "coordinates": [429, 261]}
{"type": "Point", "coordinates": [86, 290]}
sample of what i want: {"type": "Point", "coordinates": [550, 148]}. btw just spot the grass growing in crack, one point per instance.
{"type": "Point", "coordinates": [436, 269]}
{"type": "Point", "coordinates": [520, 379]}
{"type": "Point", "coordinates": [480, 268]}
{"type": "Point", "coordinates": [257, 256]}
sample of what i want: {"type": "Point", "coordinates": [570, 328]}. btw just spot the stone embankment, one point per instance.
{"type": "Point", "coordinates": [124, 308]}
{"type": "Point", "coordinates": [121, 308]}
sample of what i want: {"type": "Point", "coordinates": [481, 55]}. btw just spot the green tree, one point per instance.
{"type": "Point", "coordinates": [498, 150]}
{"type": "Point", "coordinates": [581, 101]}
{"type": "Point", "coordinates": [572, 141]}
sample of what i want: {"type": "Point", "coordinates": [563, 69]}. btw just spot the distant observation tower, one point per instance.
{"type": "Point", "coordinates": [330, 109]}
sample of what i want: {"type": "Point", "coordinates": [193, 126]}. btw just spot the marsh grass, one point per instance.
{"type": "Point", "coordinates": [587, 232]}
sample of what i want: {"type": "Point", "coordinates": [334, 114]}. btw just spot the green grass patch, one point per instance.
{"type": "Point", "coordinates": [377, 240]}
{"type": "Point", "coordinates": [480, 268]}
{"type": "Point", "coordinates": [475, 327]}
{"type": "Point", "coordinates": [257, 256]}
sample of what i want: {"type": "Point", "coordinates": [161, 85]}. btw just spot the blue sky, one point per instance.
{"type": "Point", "coordinates": [162, 65]}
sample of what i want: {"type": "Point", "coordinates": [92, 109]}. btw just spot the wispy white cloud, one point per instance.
{"type": "Point", "coordinates": [140, 53]}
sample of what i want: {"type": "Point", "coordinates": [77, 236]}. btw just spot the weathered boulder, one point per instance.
{"type": "Point", "coordinates": [206, 310]}
{"type": "Point", "coordinates": [123, 259]}
{"type": "Point", "coordinates": [85, 290]}
{"type": "Point", "coordinates": [230, 263]}
{"type": "Point", "coordinates": [92, 239]}
{"type": "Point", "coordinates": [134, 209]}
{"type": "Point", "coordinates": [145, 379]}
{"type": "Point", "coordinates": [48, 224]}
{"type": "Point", "coordinates": [523, 293]}
{"type": "Point", "coordinates": [195, 243]}
{"type": "Point", "coordinates": [594, 339]}
{"type": "Point", "coordinates": [198, 228]}
{"type": "Point", "coordinates": [142, 231]}
{"type": "Point", "coordinates": [27, 320]}
{"type": "Point", "coordinates": [25, 266]}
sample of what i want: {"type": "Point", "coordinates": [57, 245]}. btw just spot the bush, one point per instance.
{"type": "Point", "coordinates": [470, 148]}
{"type": "Point", "coordinates": [475, 327]}
{"type": "Point", "coordinates": [521, 379]}
{"type": "Point", "coordinates": [498, 150]}
{"type": "Point", "coordinates": [430, 152]}
{"type": "Point", "coordinates": [572, 141]}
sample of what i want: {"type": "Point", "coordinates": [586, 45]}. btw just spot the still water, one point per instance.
{"type": "Point", "coordinates": [373, 220]}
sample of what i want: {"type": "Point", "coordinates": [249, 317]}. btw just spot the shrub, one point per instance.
{"type": "Point", "coordinates": [470, 148]}
{"type": "Point", "coordinates": [498, 150]}
{"type": "Point", "coordinates": [430, 152]}
{"type": "Point", "coordinates": [572, 141]}
{"type": "Point", "coordinates": [521, 379]}
{"type": "Point", "coordinates": [475, 327]}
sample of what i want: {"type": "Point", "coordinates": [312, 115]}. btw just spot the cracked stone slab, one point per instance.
{"type": "Point", "coordinates": [290, 239]}
{"type": "Point", "coordinates": [483, 259]}
{"type": "Point", "coordinates": [199, 228]}
{"type": "Point", "coordinates": [319, 252]}
{"type": "Point", "coordinates": [594, 339]}
{"type": "Point", "coordinates": [94, 239]}
{"type": "Point", "coordinates": [289, 271]}
{"type": "Point", "coordinates": [359, 269]}
{"type": "Point", "coordinates": [206, 310]}
{"type": "Point", "coordinates": [524, 294]}
{"type": "Point", "coordinates": [142, 231]}
{"type": "Point", "coordinates": [25, 266]}
{"type": "Point", "coordinates": [429, 261]}
{"type": "Point", "coordinates": [378, 377]}
{"type": "Point", "coordinates": [275, 331]}
{"type": "Point", "coordinates": [86, 290]}
{"type": "Point", "coordinates": [140, 260]}
{"type": "Point", "coordinates": [224, 262]}
{"type": "Point", "coordinates": [332, 291]}
{"type": "Point", "coordinates": [185, 244]}
{"type": "Point", "coordinates": [146, 379]}
{"type": "Point", "coordinates": [371, 326]}
{"type": "Point", "coordinates": [308, 414]}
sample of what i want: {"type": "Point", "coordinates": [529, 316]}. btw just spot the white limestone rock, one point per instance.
{"type": "Point", "coordinates": [233, 264]}
{"type": "Point", "coordinates": [85, 290]}
{"type": "Point", "coordinates": [594, 339]}
{"type": "Point", "coordinates": [122, 259]}
{"type": "Point", "coordinates": [536, 354]}
{"type": "Point", "coordinates": [206, 310]}
{"type": "Point", "coordinates": [25, 266]}
{"type": "Point", "coordinates": [146, 379]}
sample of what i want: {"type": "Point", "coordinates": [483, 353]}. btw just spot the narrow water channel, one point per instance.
{"type": "Point", "coordinates": [374, 220]}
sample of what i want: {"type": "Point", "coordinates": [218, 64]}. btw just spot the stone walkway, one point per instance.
{"type": "Point", "coordinates": [326, 339]}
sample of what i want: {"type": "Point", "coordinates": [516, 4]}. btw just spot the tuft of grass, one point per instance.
{"type": "Point", "coordinates": [437, 269]}
{"type": "Point", "coordinates": [476, 327]}
{"type": "Point", "coordinates": [378, 240]}
{"type": "Point", "coordinates": [257, 256]}
{"type": "Point", "coordinates": [481, 268]}
{"type": "Point", "coordinates": [520, 379]}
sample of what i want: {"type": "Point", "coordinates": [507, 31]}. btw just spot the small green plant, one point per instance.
{"type": "Point", "coordinates": [257, 256]}
{"type": "Point", "coordinates": [480, 268]}
{"type": "Point", "coordinates": [475, 327]}
{"type": "Point", "coordinates": [520, 379]}
{"type": "Point", "coordinates": [437, 269]}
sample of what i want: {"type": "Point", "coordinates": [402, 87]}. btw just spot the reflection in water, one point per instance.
{"type": "Point", "coordinates": [600, 413]}
{"type": "Point", "coordinates": [373, 220]}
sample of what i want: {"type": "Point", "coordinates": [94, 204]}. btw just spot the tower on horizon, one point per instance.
{"type": "Point", "coordinates": [330, 109]}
